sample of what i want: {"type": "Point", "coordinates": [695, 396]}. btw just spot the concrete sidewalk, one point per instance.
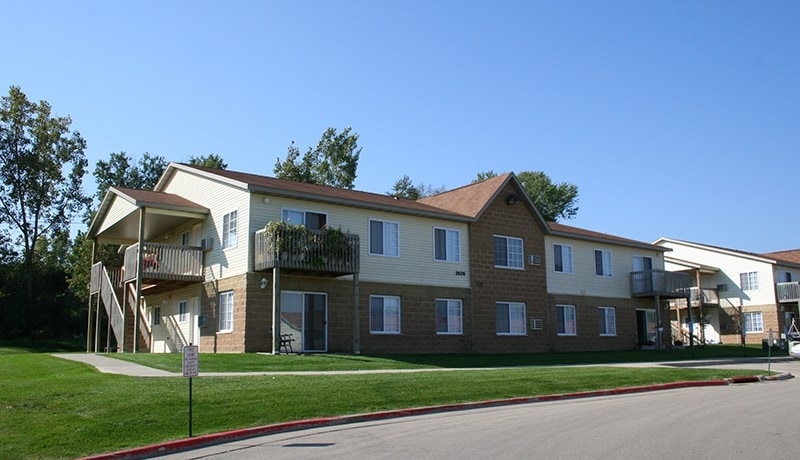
{"type": "Point", "coordinates": [115, 366]}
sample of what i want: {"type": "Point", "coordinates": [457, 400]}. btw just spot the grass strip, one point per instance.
{"type": "Point", "coordinates": [54, 408]}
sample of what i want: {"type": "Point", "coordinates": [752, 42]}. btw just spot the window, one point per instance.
{"type": "Point", "coordinates": [311, 220]}
{"type": "Point", "coordinates": [565, 319]}
{"type": "Point", "coordinates": [507, 252]}
{"type": "Point", "coordinates": [602, 263]}
{"type": "Point", "coordinates": [446, 245]}
{"type": "Point", "coordinates": [448, 316]}
{"type": "Point", "coordinates": [156, 320]}
{"type": "Point", "coordinates": [784, 277]}
{"type": "Point", "coordinates": [510, 318]}
{"type": "Point", "coordinates": [562, 258]}
{"type": "Point", "coordinates": [749, 281]}
{"type": "Point", "coordinates": [607, 320]}
{"type": "Point", "coordinates": [384, 238]}
{"type": "Point", "coordinates": [642, 263]}
{"type": "Point", "coordinates": [183, 312]}
{"type": "Point", "coordinates": [384, 314]}
{"type": "Point", "coordinates": [226, 311]}
{"type": "Point", "coordinates": [753, 322]}
{"type": "Point", "coordinates": [229, 224]}
{"type": "Point", "coordinates": [185, 239]}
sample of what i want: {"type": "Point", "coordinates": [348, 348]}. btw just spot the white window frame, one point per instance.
{"type": "Point", "coordinates": [606, 262]}
{"type": "Point", "coordinates": [749, 281]}
{"type": "Point", "coordinates": [183, 311]}
{"type": "Point", "coordinates": [515, 254]}
{"type": "Point", "coordinates": [562, 318]}
{"type": "Point", "coordinates": [390, 313]}
{"type": "Point", "coordinates": [230, 231]}
{"type": "Point", "coordinates": [387, 244]}
{"type": "Point", "coordinates": [564, 258]}
{"type": "Point", "coordinates": [784, 276]}
{"type": "Point", "coordinates": [226, 300]}
{"type": "Point", "coordinates": [452, 245]}
{"type": "Point", "coordinates": [155, 320]}
{"type": "Point", "coordinates": [515, 318]}
{"type": "Point", "coordinates": [749, 325]}
{"type": "Point", "coordinates": [305, 213]}
{"type": "Point", "coordinates": [453, 318]}
{"type": "Point", "coordinates": [607, 321]}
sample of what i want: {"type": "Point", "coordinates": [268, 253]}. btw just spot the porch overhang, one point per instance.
{"type": "Point", "coordinates": [117, 220]}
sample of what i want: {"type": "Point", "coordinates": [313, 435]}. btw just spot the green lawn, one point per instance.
{"type": "Point", "coordinates": [54, 408]}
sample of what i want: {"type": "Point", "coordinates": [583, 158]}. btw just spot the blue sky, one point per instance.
{"type": "Point", "coordinates": [674, 118]}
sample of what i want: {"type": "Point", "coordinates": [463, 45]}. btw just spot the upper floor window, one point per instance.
{"type": "Point", "coordinates": [230, 223]}
{"type": "Point", "coordinates": [642, 263]}
{"type": "Point", "coordinates": [448, 316]}
{"type": "Point", "coordinates": [602, 262]}
{"type": "Point", "coordinates": [384, 314]}
{"type": "Point", "coordinates": [510, 318]}
{"type": "Point", "coordinates": [749, 281]}
{"type": "Point", "coordinates": [384, 238]}
{"type": "Point", "coordinates": [446, 245]}
{"type": "Point", "coordinates": [784, 277]}
{"type": "Point", "coordinates": [507, 252]}
{"type": "Point", "coordinates": [308, 219]}
{"type": "Point", "coordinates": [562, 258]}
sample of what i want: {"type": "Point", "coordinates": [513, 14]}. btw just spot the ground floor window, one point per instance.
{"type": "Point", "coordinates": [384, 314]}
{"type": "Point", "coordinates": [156, 316]}
{"type": "Point", "coordinates": [565, 320]}
{"type": "Point", "coordinates": [753, 322]}
{"type": "Point", "coordinates": [448, 316]}
{"type": "Point", "coordinates": [510, 318]}
{"type": "Point", "coordinates": [607, 318]}
{"type": "Point", "coordinates": [226, 311]}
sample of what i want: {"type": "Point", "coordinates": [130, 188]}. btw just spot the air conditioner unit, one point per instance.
{"type": "Point", "coordinates": [206, 244]}
{"type": "Point", "coordinates": [534, 259]}
{"type": "Point", "coordinates": [202, 321]}
{"type": "Point", "coordinates": [537, 324]}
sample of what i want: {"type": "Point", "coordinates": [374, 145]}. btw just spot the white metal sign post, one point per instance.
{"type": "Point", "coordinates": [190, 354]}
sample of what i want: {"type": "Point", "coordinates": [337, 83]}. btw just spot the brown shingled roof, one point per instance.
{"type": "Point", "coordinates": [148, 197]}
{"type": "Point", "coordinates": [271, 185]}
{"type": "Point", "coordinates": [575, 232]}
{"type": "Point", "coordinates": [469, 200]}
{"type": "Point", "coordinates": [791, 256]}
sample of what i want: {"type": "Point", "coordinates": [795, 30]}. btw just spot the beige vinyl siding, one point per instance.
{"type": "Point", "coordinates": [164, 334]}
{"type": "Point", "coordinates": [415, 264]}
{"type": "Point", "coordinates": [220, 198]}
{"type": "Point", "coordinates": [119, 209]}
{"type": "Point", "coordinates": [583, 280]}
{"type": "Point", "coordinates": [730, 265]}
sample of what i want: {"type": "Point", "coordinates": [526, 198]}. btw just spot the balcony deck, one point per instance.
{"type": "Point", "coordinates": [165, 266]}
{"type": "Point", "coordinates": [788, 292]}
{"type": "Point", "coordinates": [652, 283]}
{"type": "Point", "coordinates": [318, 252]}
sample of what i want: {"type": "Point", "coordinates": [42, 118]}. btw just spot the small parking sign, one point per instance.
{"type": "Point", "coordinates": [190, 354]}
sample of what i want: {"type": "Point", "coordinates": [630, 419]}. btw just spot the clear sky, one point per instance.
{"type": "Point", "coordinates": [674, 118]}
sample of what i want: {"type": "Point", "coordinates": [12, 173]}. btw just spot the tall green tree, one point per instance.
{"type": "Point", "coordinates": [42, 165]}
{"type": "Point", "coordinates": [123, 171]}
{"type": "Point", "coordinates": [553, 200]}
{"type": "Point", "coordinates": [333, 162]}
{"type": "Point", "coordinates": [209, 161]}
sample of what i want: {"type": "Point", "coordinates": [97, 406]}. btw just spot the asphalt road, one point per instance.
{"type": "Point", "coordinates": [743, 421]}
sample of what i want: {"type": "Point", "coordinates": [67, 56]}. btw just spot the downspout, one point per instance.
{"type": "Point", "coordinates": [89, 313]}
{"type": "Point", "coordinates": [139, 259]}
{"type": "Point", "coordinates": [356, 317]}
{"type": "Point", "coordinates": [276, 310]}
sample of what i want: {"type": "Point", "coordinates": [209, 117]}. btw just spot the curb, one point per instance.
{"type": "Point", "coordinates": [171, 447]}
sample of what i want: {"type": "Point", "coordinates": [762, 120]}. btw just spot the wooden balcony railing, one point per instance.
{"type": "Point", "coordinates": [297, 248]}
{"type": "Point", "coordinates": [165, 262]}
{"type": "Point", "coordinates": [651, 283]}
{"type": "Point", "coordinates": [788, 292]}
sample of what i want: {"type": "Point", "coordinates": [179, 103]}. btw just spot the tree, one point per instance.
{"type": "Point", "coordinates": [333, 162]}
{"type": "Point", "coordinates": [209, 161]}
{"type": "Point", "coordinates": [42, 166]}
{"type": "Point", "coordinates": [120, 170]}
{"type": "Point", "coordinates": [554, 201]}
{"type": "Point", "coordinates": [405, 188]}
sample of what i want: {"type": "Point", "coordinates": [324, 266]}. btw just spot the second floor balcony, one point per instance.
{"type": "Point", "coordinates": [788, 292]}
{"type": "Point", "coordinates": [328, 252]}
{"type": "Point", "coordinates": [704, 296]}
{"type": "Point", "coordinates": [165, 262]}
{"type": "Point", "coordinates": [651, 283]}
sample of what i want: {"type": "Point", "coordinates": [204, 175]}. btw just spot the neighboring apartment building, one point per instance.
{"type": "Point", "coordinates": [733, 291]}
{"type": "Point", "coordinates": [234, 261]}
